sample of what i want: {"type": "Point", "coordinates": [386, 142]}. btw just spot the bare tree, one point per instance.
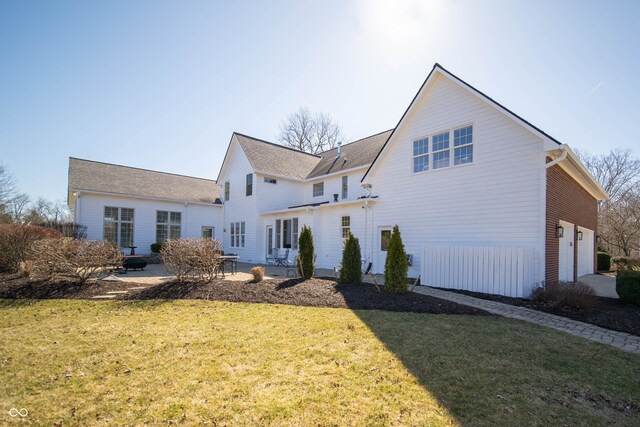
{"type": "Point", "coordinates": [310, 133]}
{"type": "Point", "coordinates": [619, 217]}
{"type": "Point", "coordinates": [618, 172]}
{"type": "Point", "coordinates": [8, 187]}
{"type": "Point", "coordinates": [18, 206]}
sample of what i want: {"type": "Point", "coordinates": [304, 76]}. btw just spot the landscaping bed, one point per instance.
{"type": "Point", "coordinates": [609, 313]}
{"type": "Point", "coordinates": [315, 292]}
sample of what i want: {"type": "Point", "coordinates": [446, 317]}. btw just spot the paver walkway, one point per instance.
{"type": "Point", "coordinates": [627, 342]}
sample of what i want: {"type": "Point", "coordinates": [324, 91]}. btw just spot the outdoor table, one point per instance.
{"type": "Point", "coordinates": [230, 258]}
{"type": "Point", "coordinates": [133, 250]}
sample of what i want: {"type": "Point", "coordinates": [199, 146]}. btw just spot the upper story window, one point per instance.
{"type": "Point", "coordinates": [270, 180]}
{"type": "Point", "coordinates": [345, 187]}
{"type": "Point", "coordinates": [442, 151]}
{"type": "Point", "coordinates": [421, 155]}
{"type": "Point", "coordinates": [249, 190]}
{"type": "Point", "coordinates": [226, 191]}
{"type": "Point", "coordinates": [318, 189]}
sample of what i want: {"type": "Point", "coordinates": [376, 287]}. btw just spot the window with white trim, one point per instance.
{"type": "Point", "coordinates": [168, 225]}
{"type": "Point", "coordinates": [270, 180]}
{"type": "Point", "coordinates": [208, 232]}
{"type": "Point", "coordinates": [118, 226]}
{"type": "Point", "coordinates": [249, 186]}
{"type": "Point", "coordinates": [345, 186]}
{"type": "Point", "coordinates": [345, 226]}
{"type": "Point", "coordinates": [442, 151]}
{"type": "Point", "coordinates": [237, 233]}
{"type": "Point", "coordinates": [318, 189]}
{"type": "Point", "coordinates": [227, 190]}
{"type": "Point", "coordinates": [287, 233]}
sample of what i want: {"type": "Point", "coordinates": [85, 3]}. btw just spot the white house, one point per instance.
{"type": "Point", "coordinates": [484, 200]}
{"type": "Point", "coordinates": [134, 207]}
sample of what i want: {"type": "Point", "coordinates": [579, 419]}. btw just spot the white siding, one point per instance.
{"type": "Point", "coordinates": [91, 215]}
{"type": "Point", "coordinates": [494, 201]}
{"type": "Point", "coordinates": [281, 195]}
{"type": "Point", "coordinates": [333, 185]}
{"type": "Point", "coordinates": [240, 207]}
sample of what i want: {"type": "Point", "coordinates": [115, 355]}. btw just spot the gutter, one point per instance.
{"type": "Point", "coordinates": [558, 159]}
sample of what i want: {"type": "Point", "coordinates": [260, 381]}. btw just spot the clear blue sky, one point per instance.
{"type": "Point", "coordinates": [162, 85]}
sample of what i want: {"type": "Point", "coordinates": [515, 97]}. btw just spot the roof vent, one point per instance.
{"type": "Point", "coordinates": [339, 149]}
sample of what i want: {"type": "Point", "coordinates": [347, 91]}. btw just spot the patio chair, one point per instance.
{"type": "Point", "coordinates": [283, 260]}
{"type": "Point", "coordinates": [293, 268]}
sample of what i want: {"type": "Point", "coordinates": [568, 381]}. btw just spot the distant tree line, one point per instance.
{"type": "Point", "coordinates": [18, 208]}
{"type": "Point", "coordinates": [618, 172]}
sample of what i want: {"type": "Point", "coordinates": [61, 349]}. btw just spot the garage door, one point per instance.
{"type": "Point", "coordinates": [585, 251]}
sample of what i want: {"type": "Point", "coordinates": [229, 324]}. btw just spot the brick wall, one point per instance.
{"type": "Point", "coordinates": [568, 201]}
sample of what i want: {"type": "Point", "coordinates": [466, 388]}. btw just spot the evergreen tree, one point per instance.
{"type": "Point", "coordinates": [351, 268]}
{"type": "Point", "coordinates": [305, 253]}
{"type": "Point", "coordinates": [396, 267]}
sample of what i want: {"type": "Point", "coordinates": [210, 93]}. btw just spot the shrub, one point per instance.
{"type": "Point", "coordinates": [258, 274]}
{"type": "Point", "coordinates": [628, 286]}
{"type": "Point", "coordinates": [396, 267]}
{"type": "Point", "coordinates": [564, 294]}
{"type": "Point", "coordinates": [604, 261]}
{"type": "Point", "coordinates": [306, 262]}
{"type": "Point", "coordinates": [624, 263]}
{"type": "Point", "coordinates": [156, 248]}
{"type": "Point", "coordinates": [351, 266]}
{"type": "Point", "coordinates": [67, 257]}
{"type": "Point", "coordinates": [16, 240]}
{"type": "Point", "coordinates": [192, 258]}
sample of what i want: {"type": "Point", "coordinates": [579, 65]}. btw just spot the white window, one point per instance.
{"type": "Point", "coordinates": [318, 189]}
{"type": "Point", "coordinates": [118, 226]}
{"type": "Point", "coordinates": [270, 180]}
{"type": "Point", "coordinates": [208, 232]}
{"type": "Point", "coordinates": [346, 226]}
{"type": "Point", "coordinates": [463, 145]}
{"type": "Point", "coordinates": [168, 225]}
{"type": "Point", "coordinates": [442, 151]}
{"type": "Point", "coordinates": [421, 155]}
{"type": "Point", "coordinates": [345, 187]}
{"type": "Point", "coordinates": [249, 190]}
{"type": "Point", "coordinates": [227, 190]}
{"type": "Point", "coordinates": [237, 234]}
{"type": "Point", "coordinates": [287, 233]}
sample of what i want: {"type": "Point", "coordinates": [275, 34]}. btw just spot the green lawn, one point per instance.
{"type": "Point", "coordinates": [191, 362]}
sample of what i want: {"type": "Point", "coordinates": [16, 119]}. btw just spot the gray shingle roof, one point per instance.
{"type": "Point", "coordinates": [355, 154]}
{"type": "Point", "coordinates": [88, 175]}
{"type": "Point", "coordinates": [270, 158]}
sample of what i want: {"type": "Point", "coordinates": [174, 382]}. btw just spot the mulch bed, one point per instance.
{"type": "Point", "coordinates": [316, 292]}
{"type": "Point", "coordinates": [610, 313]}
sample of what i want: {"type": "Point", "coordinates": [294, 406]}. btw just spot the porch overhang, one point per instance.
{"type": "Point", "coordinates": [322, 205]}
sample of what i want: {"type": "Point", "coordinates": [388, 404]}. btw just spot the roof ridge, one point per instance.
{"type": "Point", "coordinates": [358, 140]}
{"type": "Point", "coordinates": [276, 145]}
{"type": "Point", "coordinates": [143, 169]}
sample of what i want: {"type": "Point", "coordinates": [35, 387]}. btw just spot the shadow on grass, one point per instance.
{"type": "Point", "coordinates": [488, 370]}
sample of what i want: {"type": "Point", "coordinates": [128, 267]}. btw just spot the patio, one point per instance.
{"type": "Point", "coordinates": [154, 274]}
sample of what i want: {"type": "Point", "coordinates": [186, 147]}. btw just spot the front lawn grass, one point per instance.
{"type": "Point", "coordinates": [195, 362]}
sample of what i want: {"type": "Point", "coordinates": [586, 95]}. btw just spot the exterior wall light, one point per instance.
{"type": "Point", "coordinates": [579, 235]}
{"type": "Point", "coordinates": [559, 231]}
